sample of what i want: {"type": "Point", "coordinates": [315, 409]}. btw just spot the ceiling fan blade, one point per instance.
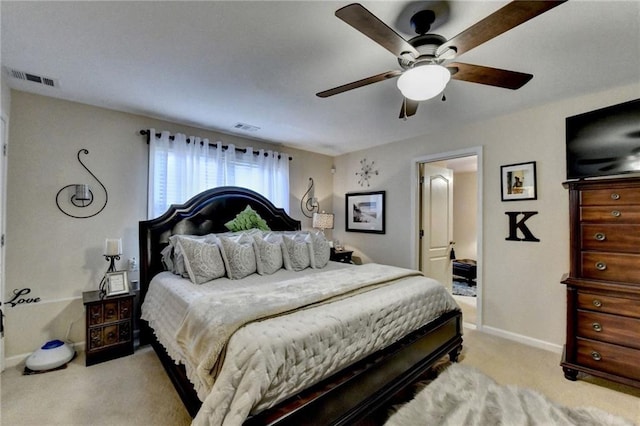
{"type": "Point", "coordinates": [368, 24]}
{"type": "Point", "coordinates": [409, 108]}
{"type": "Point", "coordinates": [365, 81]}
{"type": "Point", "coordinates": [486, 75]}
{"type": "Point", "coordinates": [504, 19]}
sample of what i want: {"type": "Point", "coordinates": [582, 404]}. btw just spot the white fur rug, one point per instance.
{"type": "Point", "coordinates": [462, 395]}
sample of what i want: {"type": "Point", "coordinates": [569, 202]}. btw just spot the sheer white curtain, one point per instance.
{"type": "Point", "coordinates": [179, 170]}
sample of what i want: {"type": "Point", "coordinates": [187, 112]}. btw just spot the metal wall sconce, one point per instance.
{"type": "Point", "coordinates": [309, 203]}
{"type": "Point", "coordinates": [81, 195]}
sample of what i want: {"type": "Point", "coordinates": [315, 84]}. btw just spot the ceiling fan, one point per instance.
{"type": "Point", "coordinates": [423, 59]}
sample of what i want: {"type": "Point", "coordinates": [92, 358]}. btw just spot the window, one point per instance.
{"type": "Point", "coordinates": [178, 170]}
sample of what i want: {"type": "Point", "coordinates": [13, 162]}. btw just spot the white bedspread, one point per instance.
{"type": "Point", "coordinates": [266, 361]}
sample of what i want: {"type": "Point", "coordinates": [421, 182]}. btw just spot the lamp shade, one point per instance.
{"type": "Point", "coordinates": [323, 220]}
{"type": "Point", "coordinates": [423, 82]}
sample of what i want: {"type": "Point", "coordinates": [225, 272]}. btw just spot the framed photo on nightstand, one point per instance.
{"type": "Point", "coordinates": [117, 283]}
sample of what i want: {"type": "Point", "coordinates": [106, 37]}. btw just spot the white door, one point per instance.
{"type": "Point", "coordinates": [436, 222]}
{"type": "Point", "coordinates": [3, 183]}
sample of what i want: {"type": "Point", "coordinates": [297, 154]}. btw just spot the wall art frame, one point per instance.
{"type": "Point", "coordinates": [365, 212]}
{"type": "Point", "coordinates": [518, 181]}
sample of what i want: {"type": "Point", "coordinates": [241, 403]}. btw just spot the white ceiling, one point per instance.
{"type": "Point", "coordinates": [214, 64]}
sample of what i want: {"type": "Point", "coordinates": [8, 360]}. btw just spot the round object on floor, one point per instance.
{"type": "Point", "coordinates": [52, 354]}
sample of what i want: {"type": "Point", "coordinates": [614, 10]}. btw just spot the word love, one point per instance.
{"type": "Point", "coordinates": [19, 299]}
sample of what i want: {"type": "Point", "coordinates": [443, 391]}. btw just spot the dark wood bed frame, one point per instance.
{"type": "Point", "coordinates": [353, 396]}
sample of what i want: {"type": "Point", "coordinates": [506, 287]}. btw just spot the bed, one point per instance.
{"type": "Point", "coordinates": [308, 380]}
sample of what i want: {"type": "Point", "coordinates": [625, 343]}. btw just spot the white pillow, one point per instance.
{"type": "Point", "coordinates": [268, 254]}
{"type": "Point", "coordinates": [238, 255]}
{"type": "Point", "coordinates": [202, 260]}
{"type": "Point", "coordinates": [177, 263]}
{"type": "Point", "coordinates": [320, 250]}
{"type": "Point", "coordinates": [297, 251]}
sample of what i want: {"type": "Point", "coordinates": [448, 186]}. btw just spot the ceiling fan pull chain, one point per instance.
{"type": "Point", "coordinates": [444, 98]}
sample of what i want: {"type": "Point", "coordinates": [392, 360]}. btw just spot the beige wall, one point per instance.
{"type": "Point", "coordinates": [59, 257]}
{"type": "Point", "coordinates": [522, 295]}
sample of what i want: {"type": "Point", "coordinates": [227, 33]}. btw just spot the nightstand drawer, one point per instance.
{"type": "Point", "coordinates": [610, 304]}
{"type": "Point", "coordinates": [613, 196]}
{"type": "Point", "coordinates": [109, 335]}
{"type": "Point", "coordinates": [109, 311]}
{"type": "Point", "coordinates": [610, 237]}
{"type": "Point", "coordinates": [611, 267]}
{"type": "Point", "coordinates": [609, 358]}
{"type": "Point", "coordinates": [609, 328]}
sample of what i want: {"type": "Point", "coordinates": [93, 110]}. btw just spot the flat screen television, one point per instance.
{"type": "Point", "coordinates": [604, 142]}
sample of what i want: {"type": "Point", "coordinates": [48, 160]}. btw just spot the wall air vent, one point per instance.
{"type": "Point", "coordinates": [246, 127]}
{"type": "Point", "coordinates": [34, 78]}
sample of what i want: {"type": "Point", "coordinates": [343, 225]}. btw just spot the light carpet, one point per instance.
{"type": "Point", "coordinates": [461, 395]}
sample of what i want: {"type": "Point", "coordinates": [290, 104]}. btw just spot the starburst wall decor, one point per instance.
{"type": "Point", "coordinates": [366, 172]}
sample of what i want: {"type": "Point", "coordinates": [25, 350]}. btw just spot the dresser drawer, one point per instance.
{"type": "Point", "coordinates": [611, 214]}
{"type": "Point", "coordinates": [606, 237]}
{"type": "Point", "coordinates": [611, 267]}
{"type": "Point", "coordinates": [613, 196]}
{"type": "Point", "coordinates": [609, 358]}
{"type": "Point", "coordinates": [609, 328]}
{"type": "Point", "coordinates": [609, 304]}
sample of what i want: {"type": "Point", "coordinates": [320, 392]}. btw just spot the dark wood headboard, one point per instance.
{"type": "Point", "coordinates": [203, 214]}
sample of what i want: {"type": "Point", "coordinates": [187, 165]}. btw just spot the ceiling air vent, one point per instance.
{"type": "Point", "coordinates": [246, 127]}
{"type": "Point", "coordinates": [34, 78]}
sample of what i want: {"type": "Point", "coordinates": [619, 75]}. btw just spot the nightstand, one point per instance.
{"type": "Point", "coordinates": [109, 326]}
{"type": "Point", "coordinates": [343, 256]}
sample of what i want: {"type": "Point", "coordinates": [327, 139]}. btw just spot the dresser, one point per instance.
{"type": "Point", "coordinates": [603, 285]}
{"type": "Point", "coordinates": [109, 326]}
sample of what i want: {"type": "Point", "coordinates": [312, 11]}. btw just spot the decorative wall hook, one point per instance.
{"type": "Point", "coordinates": [309, 203]}
{"type": "Point", "coordinates": [82, 195]}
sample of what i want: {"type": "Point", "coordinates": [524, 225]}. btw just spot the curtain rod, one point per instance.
{"type": "Point", "coordinates": [144, 132]}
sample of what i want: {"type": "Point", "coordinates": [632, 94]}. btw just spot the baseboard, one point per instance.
{"type": "Point", "coordinates": [526, 340]}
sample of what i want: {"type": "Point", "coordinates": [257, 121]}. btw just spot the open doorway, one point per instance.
{"type": "Point", "coordinates": [460, 249]}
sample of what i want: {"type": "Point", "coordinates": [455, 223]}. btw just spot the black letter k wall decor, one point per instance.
{"type": "Point", "coordinates": [515, 225]}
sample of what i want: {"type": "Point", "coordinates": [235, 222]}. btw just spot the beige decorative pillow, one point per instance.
{"type": "Point", "coordinates": [202, 260]}
{"type": "Point", "coordinates": [238, 255]}
{"type": "Point", "coordinates": [320, 250]}
{"type": "Point", "coordinates": [296, 251]}
{"type": "Point", "coordinates": [268, 254]}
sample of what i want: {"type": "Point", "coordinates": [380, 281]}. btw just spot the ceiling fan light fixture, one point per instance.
{"type": "Point", "coordinates": [423, 82]}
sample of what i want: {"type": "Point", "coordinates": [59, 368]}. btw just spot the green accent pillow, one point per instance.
{"type": "Point", "coordinates": [247, 219]}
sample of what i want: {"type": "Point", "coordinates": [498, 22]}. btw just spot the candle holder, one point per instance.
{"type": "Point", "coordinates": [112, 261]}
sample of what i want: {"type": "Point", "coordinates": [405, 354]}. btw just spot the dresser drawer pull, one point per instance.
{"type": "Point", "coordinates": [601, 266]}
{"type": "Point", "coordinates": [596, 356]}
{"type": "Point", "coordinates": [600, 236]}
{"type": "Point", "coordinates": [597, 327]}
{"type": "Point", "coordinates": [616, 213]}
{"type": "Point", "coordinates": [615, 196]}
{"type": "Point", "coordinates": [597, 303]}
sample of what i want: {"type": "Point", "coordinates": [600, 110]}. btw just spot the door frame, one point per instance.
{"type": "Point", "coordinates": [415, 209]}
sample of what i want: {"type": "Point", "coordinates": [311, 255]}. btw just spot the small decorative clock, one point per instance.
{"type": "Point", "coordinates": [366, 172]}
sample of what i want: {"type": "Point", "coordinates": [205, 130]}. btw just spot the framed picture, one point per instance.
{"type": "Point", "coordinates": [364, 212]}
{"type": "Point", "coordinates": [518, 181]}
{"type": "Point", "coordinates": [117, 283]}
